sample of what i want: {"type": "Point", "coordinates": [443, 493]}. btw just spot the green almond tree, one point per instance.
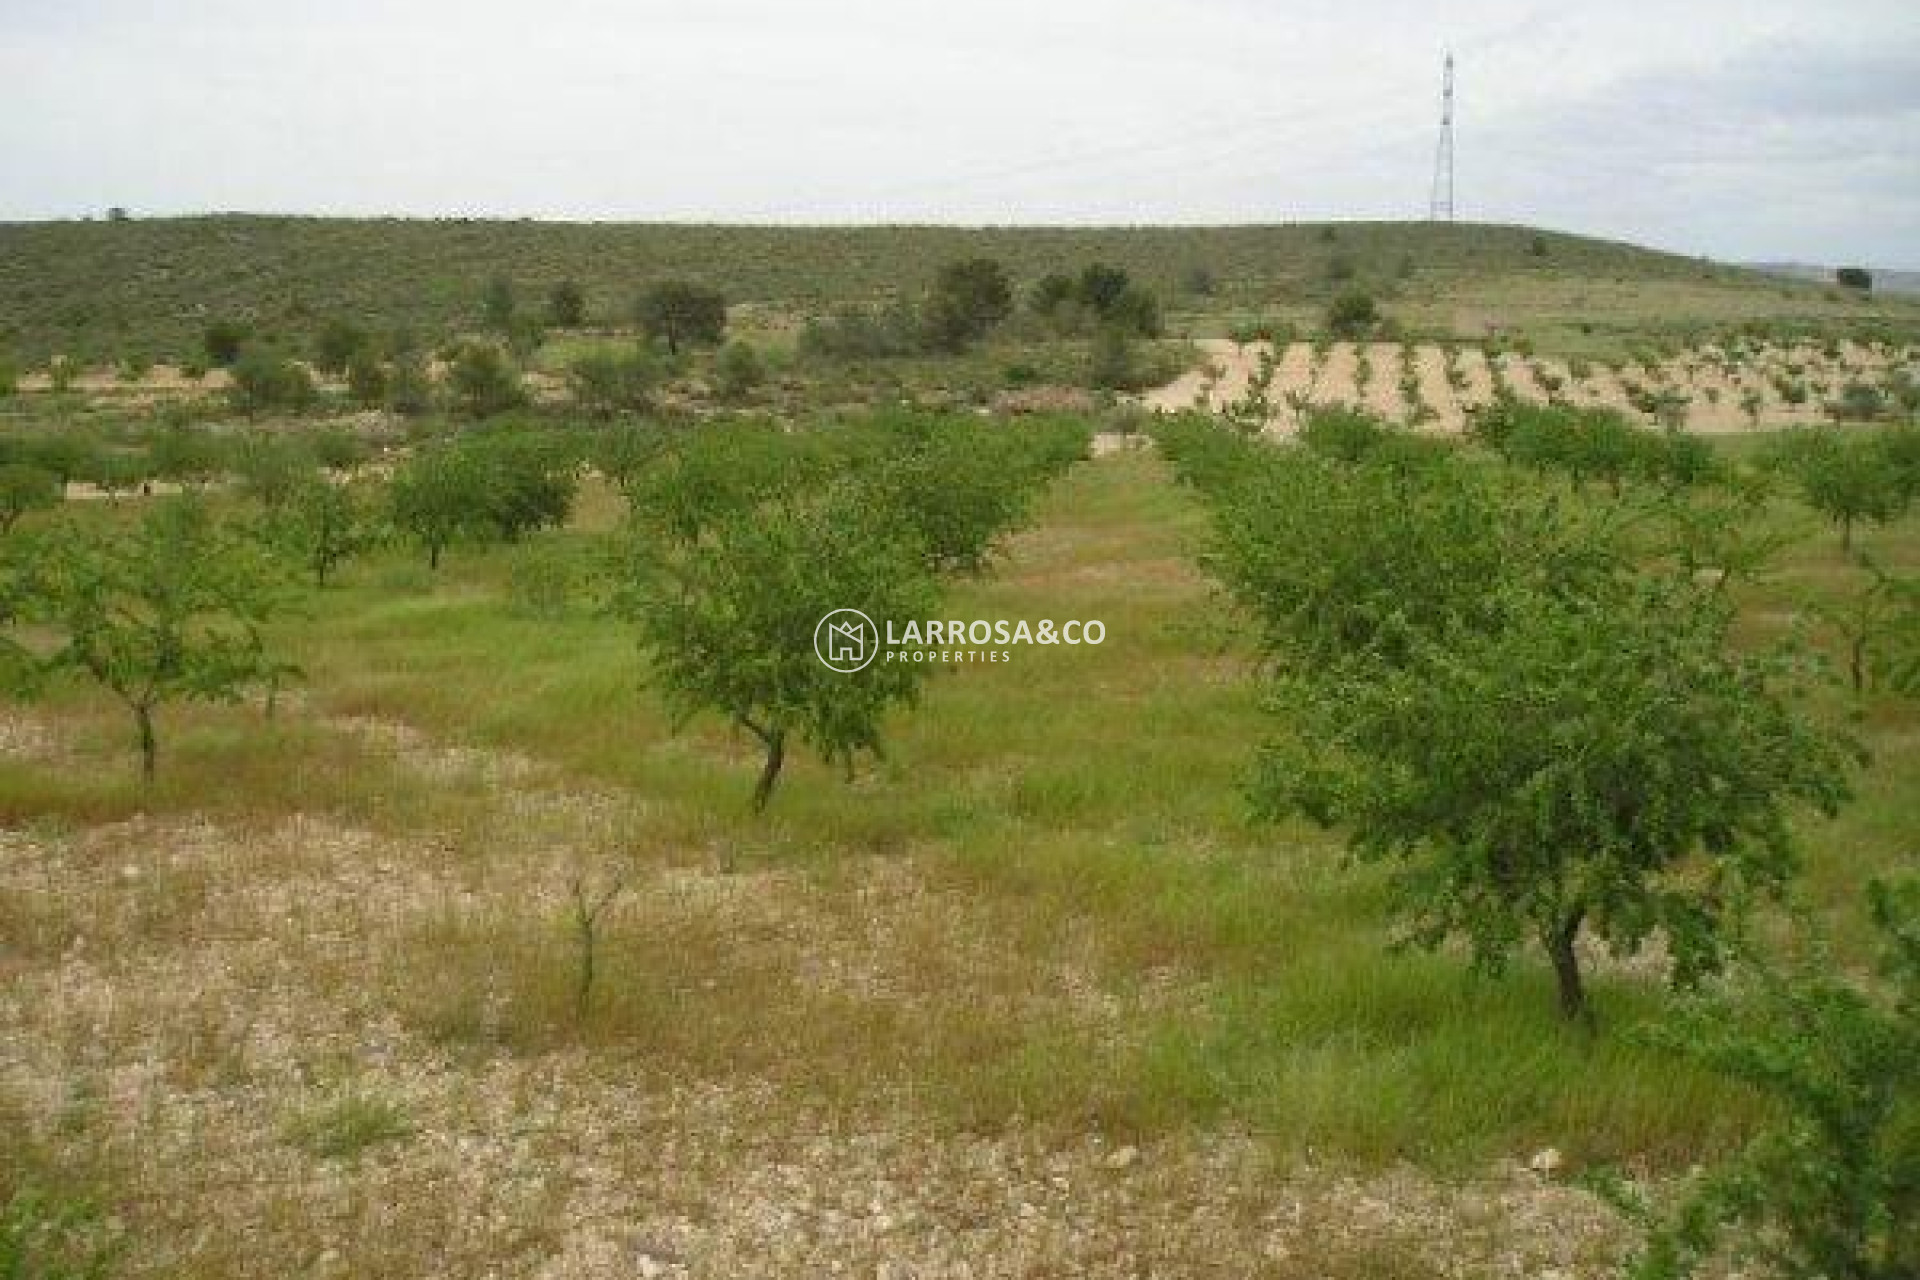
{"type": "Point", "coordinates": [729, 624]}
{"type": "Point", "coordinates": [1599, 765]}
{"type": "Point", "coordinates": [169, 610]}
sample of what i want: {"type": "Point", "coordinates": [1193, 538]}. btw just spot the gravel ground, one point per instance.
{"type": "Point", "coordinates": [186, 1005]}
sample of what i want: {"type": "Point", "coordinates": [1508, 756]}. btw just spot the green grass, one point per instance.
{"type": "Point", "coordinates": [1084, 805]}
{"type": "Point", "coordinates": [1095, 795]}
{"type": "Point", "coordinates": [346, 1127]}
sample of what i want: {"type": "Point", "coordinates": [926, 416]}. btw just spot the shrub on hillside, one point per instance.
{"type": "Point", "coordinates": [482, 382]}
{"type": "Point", "coordinates": [682, 313]}
{"type": "Point", "coordinates": [265, 380]}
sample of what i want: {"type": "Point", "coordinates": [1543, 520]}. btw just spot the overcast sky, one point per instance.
{"type": "Point", "coordinates": [1744, 129]}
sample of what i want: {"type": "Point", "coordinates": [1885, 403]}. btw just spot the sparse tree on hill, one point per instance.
{"type": "Point", "coordinates": [265, 381]}
{"type": "Point", "coordinates": [483, 382]}
{"type": "Point", "coordinates": [1352, 315]}
{"type": "Point", "coordinates": [339, 343]}
{"type": "Point", "coordinates": [498, 307]}
{"type": "Point", "coordinates": [738, 371]}
{"type": "Point", "coordinates": [607, 382]}
{"type": "Point", "coordinates": [967, 300]}
{"type": "Point", "coordinates": [682, 313]}
{"type": "Point", "coordinates": [367, 379]}
{"type": "Point", "coordinates": [223, 340]}
{"type": "Point", "coordinates": [409, 388]}
{"type": "Point", "coordinates": [1112, 363]}
{"type": "Point", "coordinates": [566, 305]}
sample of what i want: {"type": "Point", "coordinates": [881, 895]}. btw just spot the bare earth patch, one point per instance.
{"type": "Point", "coordinates": [306, 1048]}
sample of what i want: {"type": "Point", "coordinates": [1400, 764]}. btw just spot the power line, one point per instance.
{"type": "Point", "coordinates": [1440, 202]}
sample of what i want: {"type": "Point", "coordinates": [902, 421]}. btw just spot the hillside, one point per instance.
{"type": "Point", "coordinates": [106, 290]}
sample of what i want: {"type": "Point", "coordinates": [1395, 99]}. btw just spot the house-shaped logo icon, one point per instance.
{"type": "Point", "coordinates": [846, 640]}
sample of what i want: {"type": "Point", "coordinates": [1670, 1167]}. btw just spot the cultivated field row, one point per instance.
{"type": "Point", "coordinates": [1707, 389]}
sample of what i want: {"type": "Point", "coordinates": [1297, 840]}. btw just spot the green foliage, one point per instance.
{"type": "Point", "coordinates": [747, 535]}
{"type": "Point", "coordinates": [1599, 763]}
{"type": "Point", "coordinates": [1340, 562]}
{"type": "Point", "coordinates": [681, 487]}
{"type": "Point", "coordinates": [367, 381]}
{"type": "Point", "coordinates": [482, 382]}
{"type": "Point", "coordinates": [265, 380]}
{"type": "Point", "coordinates": [493, 486]}
{"type": "Point", "coordinates": [1847, 477]}
{"type": "Point", "coordinates": [348, 1126]}
{"type": "Point", "coordinates": [436, 499]}
{"type": "Point", "coordinates": [738, 371]}
{"type": "Point", "coordinates": [169, 610]}
{"type": "Point", "coordinates": [322, 525]}
{"type": "Point", "coordinates": [223, 342]}
{"type": "Point", "coordinates": [48, 1236]}
{"type": "Point", "coordinates": [566, 305]}
{"type": "Point", "coordinates": [862, 333]}
{"type": "Point", "coordinates": [1102, 296]}
{"type": "Point", "coordinates": [189, 455]}
{"type": "Point", "coordinates": [960, 484]}
{"type": "Point", "coordinates": [25, 487]}
{"type": "Point", "coordinates": [69, 454]}
{"type": "Point", "coordinates": [271, 466]}
{"type": "Point", "coordinates": [277, 273]}
{"type": "Point", "coordinates": [1352, 315]}
{"type": "Point", "coordinates": [409, 389]}
{"type": "Point", "coordinates": [1858, 402]}
{"type": "Point", "coordinates": [498, 307]}
{"type": "Point", "coordinates": [339, 343]}
{"type": "Point", "coordinates": [1878, 626]}
{"type": "Point", "coordinates": [728, 623]}
{"type": "Point", "coordinates": [606, 382]}
{"type": "Point", "coordinates": [1483, 691]}
{"type": "Point", "coordinates": [1831, 1187]}
{"type": "Point", "coordinates": [968, 299]}
{"type": "Point", "coordinates": [1111, 363]}
{"type": "Point", "coordinates": [1587, 444]}
{"type": "Point", "coordinates": [1346, 435]}
{"type": "Point", "coordinates": [680, 312]}
{"type": "Point", "coordinates": [1854, 278]}
{"type": "Point", "coordinates": [529, 480]}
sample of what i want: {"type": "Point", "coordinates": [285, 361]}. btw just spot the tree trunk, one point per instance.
{"type": "Point", "coordinates": [433, 556]}
{"type": "Point", "coordinates": [149, 749]}
{"type": "Point", "coordinates": [1566, 967]}
{"type": "Point", "coordinates": [770, 773]}
{"type": "Point", "coordinates": [1846, 533]}
{"type": "Point", "coordinates": [583, 989]}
